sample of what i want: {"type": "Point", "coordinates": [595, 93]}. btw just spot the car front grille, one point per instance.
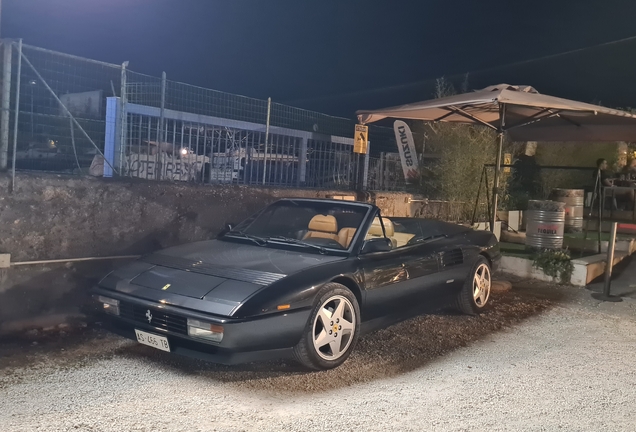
{"type": "Point", "coordinates": [159, 319]}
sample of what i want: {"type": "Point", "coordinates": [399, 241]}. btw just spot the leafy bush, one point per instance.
{"type": "Point", "coordinates": [555, 263]}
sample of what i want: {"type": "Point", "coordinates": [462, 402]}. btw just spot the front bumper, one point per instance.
{"type": "Point", "coordinates": [200, 350]}
{"type": "Point", "coordinates": [244, 340]}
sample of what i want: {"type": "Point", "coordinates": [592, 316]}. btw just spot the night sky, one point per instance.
{"type": "Point", "coordinates": [339, 56]}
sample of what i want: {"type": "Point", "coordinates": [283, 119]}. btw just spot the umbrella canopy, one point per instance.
{"type": "Point", "coordinates": [521, 112]}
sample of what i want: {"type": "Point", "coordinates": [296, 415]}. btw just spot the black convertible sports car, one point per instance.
{"type": "Point", "coordinates": [301, 278]}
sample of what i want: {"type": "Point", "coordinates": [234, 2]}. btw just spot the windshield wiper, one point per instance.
{"type": "Point", "coordinates": [256, 239]}
{"type": "Point", "coordinates": [321, 249]}
{"type": "Point", "coordinates": [436, 236]}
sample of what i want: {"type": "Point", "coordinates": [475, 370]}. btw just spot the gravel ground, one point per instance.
{"type": "Point", "coordinates": [542, 358]}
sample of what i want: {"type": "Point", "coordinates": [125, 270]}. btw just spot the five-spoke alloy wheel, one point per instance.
{"type": "Point", "coordinates": [333, 327]}
{"type": "Point", "coordinates": [332, 330]}
{"type": "Point", "coordinates": [481, 285]}
{"type": "Point", "coordinates": [475, 293]}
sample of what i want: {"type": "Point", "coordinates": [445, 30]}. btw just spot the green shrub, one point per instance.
{"type": "Point", "coordinates": [555, 263]}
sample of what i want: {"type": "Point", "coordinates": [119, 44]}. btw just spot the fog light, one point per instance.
{"type": "Point", "coordinates": [111, 306]}
{"type": "Point", "coordinates": [205, 330]}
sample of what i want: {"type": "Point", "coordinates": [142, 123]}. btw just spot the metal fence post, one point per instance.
{"type": "Point", "coordinates": [302, 162]}
{"type": "Point", "coordinates": [15, 117]}
{"type": "Point", "coordinates": [160, 135]}
{"type": "Point", "coordinates": [269, 112]}
{"type": "Point", "coordinates": [381, 172]}
{"type": "Point", "coordinates": [5, 104]}
{"type": "Point", "coordinates": [611, 245]}
{"type": "Point", "coordinates": [123, 99]}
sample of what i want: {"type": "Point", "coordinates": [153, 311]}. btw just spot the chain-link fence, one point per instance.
{"type": "Point", "coordinates": [148, 90]}
{"type": "Point", "coordinates": [305, 148]}
{"type": "Point", "coordinates": [385, 173]}
{"type": "Point", "coordinates": [67, 111]}
{"type": "Point", "coordinates": [57, 106]}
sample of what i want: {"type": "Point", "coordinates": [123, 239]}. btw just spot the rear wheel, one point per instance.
{"type": "Point", "coordinates": [475, 293]}
{"type": "Point", "coordinates": [332, 330]}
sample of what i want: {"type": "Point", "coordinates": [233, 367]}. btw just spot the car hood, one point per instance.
{"type": "Point", "coordinates": [248, 256]}
{"type": "Point", "coordinates": [221, 273]}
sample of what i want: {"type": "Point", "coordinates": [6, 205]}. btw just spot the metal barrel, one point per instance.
{"type": "Point", "coordinates": [573, 200]}
{"type": "Point", "coordinates": [545, 224]}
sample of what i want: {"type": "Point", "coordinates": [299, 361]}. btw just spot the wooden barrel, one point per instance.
{"type": "Point", "coordinates": [573, 200]}
{"type": "Point", "coordinates": [545, 224]}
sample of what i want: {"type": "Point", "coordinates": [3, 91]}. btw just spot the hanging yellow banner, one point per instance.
{"type": "Point", "coordinates": [361, 139]}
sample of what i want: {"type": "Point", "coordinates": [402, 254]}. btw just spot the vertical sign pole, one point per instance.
{"type": "Point", "coordinates": [611, 245]}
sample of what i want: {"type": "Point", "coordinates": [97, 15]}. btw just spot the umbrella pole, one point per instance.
{"type": "Point", "coordinates": [495, 187]}
{"type": "Point", "coordinates": [601, 206]}
{"type": "Point", "coordinates": [481, 181]}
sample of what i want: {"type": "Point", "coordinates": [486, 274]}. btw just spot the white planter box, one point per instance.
{"type": "Point", "coordinates": [585, 269]}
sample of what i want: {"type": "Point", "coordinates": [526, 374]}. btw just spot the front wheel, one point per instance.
{"type": "Point", "coordinates": [475, 293]}
{"type": "Point", "coordinates": [332, 330]}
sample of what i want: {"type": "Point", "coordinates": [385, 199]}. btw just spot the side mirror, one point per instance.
{"type": "Point", "coordinates": [380, 244]}
{"type": "Point", "coordinates": [226, 229]}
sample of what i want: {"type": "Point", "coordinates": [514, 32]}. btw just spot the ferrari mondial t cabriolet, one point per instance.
{"type": "Point", "coordinates": [301, 278]}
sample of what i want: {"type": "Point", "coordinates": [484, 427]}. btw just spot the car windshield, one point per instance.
{"type": "Point", "coordinates": [315, 225]}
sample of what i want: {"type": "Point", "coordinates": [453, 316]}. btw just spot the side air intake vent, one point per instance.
{"type": "Point", "coordinates": [452, 257]}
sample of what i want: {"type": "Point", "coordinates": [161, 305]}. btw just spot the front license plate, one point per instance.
{"type": "Point", "coordinates": [153, 340]}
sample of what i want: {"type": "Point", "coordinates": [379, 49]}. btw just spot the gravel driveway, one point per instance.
{"type": "Point", "coordinates": [543, 358]}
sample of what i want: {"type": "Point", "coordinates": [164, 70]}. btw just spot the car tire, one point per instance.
{"type": "Point", "coordinates": [332, 331]}
{"type": "Point", "coordinates": [475, 293]}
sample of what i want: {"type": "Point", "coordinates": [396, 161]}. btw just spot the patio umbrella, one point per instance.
{"type": "Point", "coordinates": [520, 112]}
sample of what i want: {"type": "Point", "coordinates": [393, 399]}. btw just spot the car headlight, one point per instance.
{"type": "Point", "coordinates": [205, 330]}
{"type": "Point", "coordinates": [111, 306]}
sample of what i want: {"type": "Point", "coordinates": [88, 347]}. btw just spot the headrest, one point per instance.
{"type": "Point", "coordinates": [376, 228]}
{"type": "Point", "coordinates": [323, 223]}
{"type": "Point", "coordinates": [345, 236]}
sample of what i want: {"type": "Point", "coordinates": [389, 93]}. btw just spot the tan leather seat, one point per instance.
{"type": "Point", "coordinates": [345, 236]}
{"type": "Point", "coordinates": [322, 226]}
{"type": "Point", "coordinates": [376, 230]}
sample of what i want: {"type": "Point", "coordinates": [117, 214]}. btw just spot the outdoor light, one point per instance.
{"type": "Point", "coordinates": [32, 83]}
{"type": "Point", "coordinates": [184, 151]}
{"type": "Point", "coordinates": [111, 306]}
{"type": "Point", "coordinates": [205, 330]}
